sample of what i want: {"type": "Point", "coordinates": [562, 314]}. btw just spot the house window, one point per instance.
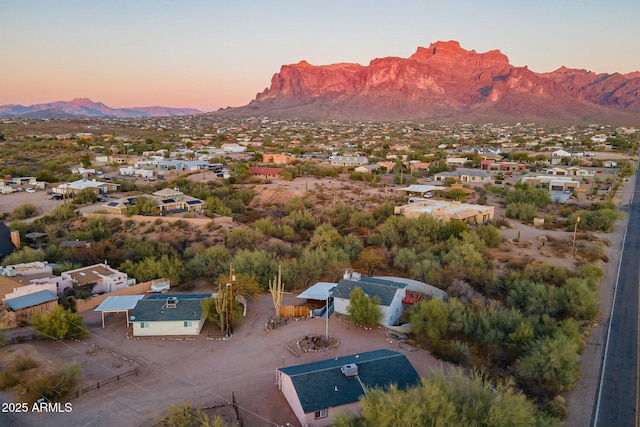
{"type": "Point", "coordinates": [322, 413]}
{"type": "Point", "coordinates": [188, 323]}
{"type": "Point", "coordinates": [144, 325]}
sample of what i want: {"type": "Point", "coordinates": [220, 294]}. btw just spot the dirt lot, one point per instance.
{"type": "Point", "coordinates": [200, 371]}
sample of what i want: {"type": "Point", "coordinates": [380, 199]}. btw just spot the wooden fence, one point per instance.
{"type": "Point", "coordinates": [99, 384]}
{"type": "Point", "coordinates": [294, 311]}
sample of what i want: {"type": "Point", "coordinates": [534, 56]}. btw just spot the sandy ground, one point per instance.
{"type": "Point", "coordinates": [200, 371]}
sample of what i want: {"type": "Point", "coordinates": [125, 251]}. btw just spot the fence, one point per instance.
{"type": "Point", "coordinates": [294, 311]}
{"type": "Point", "coordinates": [99, 384]}
{"type": "Point", "coordinates": [21, 338]}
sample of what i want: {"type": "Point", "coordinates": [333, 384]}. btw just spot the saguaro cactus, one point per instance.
{"type": "Point", "coordinates": [277, 291]}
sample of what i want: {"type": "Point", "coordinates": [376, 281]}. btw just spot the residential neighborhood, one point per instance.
{"type": "Point", "coordinates": [318, 252]}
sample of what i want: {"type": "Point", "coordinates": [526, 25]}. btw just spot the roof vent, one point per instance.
{"type": "Point", "coordinates": [349, 370]}
{"type": "Point", "coordinates": [172, 302]}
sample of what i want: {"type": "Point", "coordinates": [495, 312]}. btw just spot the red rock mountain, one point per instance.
{"type": "Point", "coordinates": [445, 81]}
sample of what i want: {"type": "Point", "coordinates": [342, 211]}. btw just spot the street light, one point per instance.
{"type": "Point", "coordinates": [575, 234]}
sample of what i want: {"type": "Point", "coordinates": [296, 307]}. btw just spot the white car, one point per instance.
{"type": "Point", "coordinates": [30, 190]}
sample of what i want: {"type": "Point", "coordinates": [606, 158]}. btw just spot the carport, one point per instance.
{"type": "Point", "coordinates": [118, 304]}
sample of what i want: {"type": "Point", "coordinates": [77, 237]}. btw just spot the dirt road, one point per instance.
{"type": "Point", "coordinates": [201, 371]}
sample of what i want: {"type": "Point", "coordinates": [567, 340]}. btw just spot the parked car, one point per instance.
{"type": "Point", "coordinates": [55, 196]}
{"type": "Point", "coordinates": [30, 190]}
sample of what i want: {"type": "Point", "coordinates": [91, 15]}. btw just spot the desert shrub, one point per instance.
{"type": "Point", "coordinates": [24, 211]}
{"type": "Point", "coordinates": [521, 210]}
{"type": "Point", "coordinates": [54, 385]}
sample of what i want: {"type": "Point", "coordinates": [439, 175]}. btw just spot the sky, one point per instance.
{"type": "Point", "coordinates": [210, 54]}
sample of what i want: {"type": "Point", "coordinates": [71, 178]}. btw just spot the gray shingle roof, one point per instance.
{"type": "Point", "coordinates": [385, 289]}
{"type": "Point", "coordinates": [155, 310]}
{"type": "Point", "coordinates": [30, 300]}
{"type": "Point", "coordinates": [322, 385]}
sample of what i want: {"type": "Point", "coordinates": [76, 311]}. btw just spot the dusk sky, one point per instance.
{"type": "Point", "coordinates": [209, 54]}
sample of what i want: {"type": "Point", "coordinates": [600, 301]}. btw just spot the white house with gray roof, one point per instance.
{"type": "Point", "coordinates": [391, 294]}
{"type": "Point", "coordinates": [168, 315]}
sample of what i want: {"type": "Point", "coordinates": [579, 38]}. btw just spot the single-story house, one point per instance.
{"type": "Point", "coordinates": [367, 168]}
{"type": "Point", "coordinates": [317, 392]}
{"type": "Point", "coordinates": [266, 173]}
{"type": "Point", "coordinates": [417, 190]}
{"type": "Point", "coordinates": [391, 294]}
{"type": "Point", "coordinates": [445, 211]}
{"type": "Point", "coordinates": [172, 200]}
{"type": "Point", "coordinates": [348, 160]}
{"type": "Point", "coordinates": [77, 186]}
{"type": "Point", "coordinates": [464, 175]}
{"type": "Point", "coordinates": [553, 183]}
{"type": "Point", "coordinates": [168, 315]}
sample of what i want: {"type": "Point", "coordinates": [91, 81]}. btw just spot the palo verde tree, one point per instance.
{"type": "Point", "coordinates": [59, 324]}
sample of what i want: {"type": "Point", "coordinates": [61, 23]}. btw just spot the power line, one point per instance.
{"type": "Point", "coordinates": [89, 332]}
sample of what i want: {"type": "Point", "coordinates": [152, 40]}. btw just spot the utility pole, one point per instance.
{"type": "Point", "coordinates": [575, 234]}
{"type": "Point", "coordinates": [230, 323]}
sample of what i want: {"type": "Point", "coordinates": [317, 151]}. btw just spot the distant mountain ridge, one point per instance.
{"type": "Point", "coordinates": [84, 107]}
{"type": "Point", "coordinates": [445, 81]}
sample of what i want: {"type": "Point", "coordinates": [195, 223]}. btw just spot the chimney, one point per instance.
{"type": "Point", "coordinates": [15, 238]}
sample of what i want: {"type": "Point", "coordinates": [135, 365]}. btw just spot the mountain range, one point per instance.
{"type": "Point", "coordinates": [84, 107]}
{"type": "Point", "coordinates": [445, 81]}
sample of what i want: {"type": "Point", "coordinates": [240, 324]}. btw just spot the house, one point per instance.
{"type": "Point", "coordinates": [104, 278]}
{"type": "Point", "coordinates": [162, 315]}
{"type": "Point", "coordinates": [456, 161]}
{"type": "Point", "coordinates": [446, 211]}
{"type": "Point", "coordinates": [391, 294]}
{"type": "Point", "coordinates": [77, 186]}
{"type": "Point", "coordinates": [609, 164]}
{"type": "Point", "coordinates": [493, 166]}
{"type": "Point", "coordinates": [278, 159]}
{"type": "Point", "coordinates": [348, 161]}
{"type": "Point", "coordinates": [367, 168]}
{"type": "Point", "coordinates": [168, 201]}
{"type": "Point", "coordinates": [464, 175]}
{"type": "Point", "coordinates": [266, 173]}
{"type": "Point", "coordinates": [317, 392]}
{"type": "Point", "coordinates": [417, 190]}
{"type": "Point", "coordinates": [23, 308]}
{"type": "Point", "coordinates": [173, 200]}
{"type": "Point", "coordinates": [561, 153]}
{"type": "Point", "coordinates": [553, 183]}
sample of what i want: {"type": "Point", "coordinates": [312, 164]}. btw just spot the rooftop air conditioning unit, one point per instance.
{"type": "Point", "coordinates": [349, 370]}
{"type": "Point", "coordinates": [172, 302]}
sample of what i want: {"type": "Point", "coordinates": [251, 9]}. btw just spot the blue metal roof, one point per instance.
{"type": "Point", "coordinates": [30, 300]}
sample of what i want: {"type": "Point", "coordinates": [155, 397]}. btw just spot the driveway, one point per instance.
{"type": "Point", "coordinates": [202, 371]}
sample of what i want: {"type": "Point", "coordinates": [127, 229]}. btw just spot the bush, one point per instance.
{"type": "Point", "coordinates": [24, 212]}
{"type": "Point", "coordinates": [522, 211]}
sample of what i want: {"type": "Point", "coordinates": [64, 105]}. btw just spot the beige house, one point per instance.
{"type": "Point", "coordinates": [106, 279]}
{"type": "Point", "coordinates": [77, 186]}
{"type": "Point", "coordinates": [445, 211]}
{"type": "Point", "coordinates": [168, 200]}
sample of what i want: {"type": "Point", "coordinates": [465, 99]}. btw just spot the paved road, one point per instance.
{"type": "Point", "coordinates": [617, 401]}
